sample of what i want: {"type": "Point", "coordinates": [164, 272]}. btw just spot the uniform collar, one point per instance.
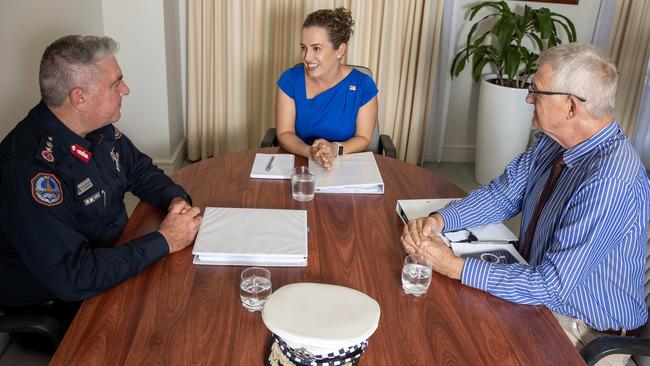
{"type": "Point", "coordinates": [576, 153]}
{"type": "Point", "coordinates": [65, 135]}
{"type": "Point", "coordinates": [61, 133]}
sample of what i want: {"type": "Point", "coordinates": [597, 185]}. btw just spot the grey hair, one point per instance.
{"type": "Point", "coordinates": [583, 70]}
{"type": "Point", "coordinates": [69, 62]}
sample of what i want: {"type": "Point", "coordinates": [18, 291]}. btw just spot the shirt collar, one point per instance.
{"type": "Point", "coordinates": [576, 153]}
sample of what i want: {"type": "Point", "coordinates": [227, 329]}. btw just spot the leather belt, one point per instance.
{"type": "Point", "coordinates": [623, 332]}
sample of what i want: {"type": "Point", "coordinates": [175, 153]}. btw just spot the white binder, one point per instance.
{"type": "Point", "coordinates": [489, 238]}
{"type": "Point", "coordinates": [351, 173]}
{"type": "Point", "coordinates": [252, 236]}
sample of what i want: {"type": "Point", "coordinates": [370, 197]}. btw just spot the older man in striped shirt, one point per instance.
{"type": "Point", "coordinates": [585, 201]}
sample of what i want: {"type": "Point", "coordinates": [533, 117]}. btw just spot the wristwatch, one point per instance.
{"type": "Point", "coordinates": [339, 150]}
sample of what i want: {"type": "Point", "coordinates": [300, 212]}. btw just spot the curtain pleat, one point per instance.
{"type": "Point", "coordinates": [238, 49]}
{"type": "Point", "coordinates": [629, 48]}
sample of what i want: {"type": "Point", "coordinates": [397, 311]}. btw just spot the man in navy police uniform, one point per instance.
{"type": "Point", "coordinates": [64, 170]}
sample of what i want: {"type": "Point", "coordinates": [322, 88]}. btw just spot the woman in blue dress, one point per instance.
{"type": "Point", "coordinates": [325, 108]}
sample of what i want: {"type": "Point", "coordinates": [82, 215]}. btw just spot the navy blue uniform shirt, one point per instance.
{"type": "Point", "coordinates": [61, 210]}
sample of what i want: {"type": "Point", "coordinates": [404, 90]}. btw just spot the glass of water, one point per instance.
{"type": "Point", "coordinates": [254, 288]}
{"type": "Point", "coordinates": [303, 184]}
{"type": "Point", "coordinates": [416, 274]}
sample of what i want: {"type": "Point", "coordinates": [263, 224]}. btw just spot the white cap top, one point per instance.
{"type": "Point", "coordinates": [320, 318]}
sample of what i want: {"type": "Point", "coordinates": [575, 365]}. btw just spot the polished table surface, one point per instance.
{"type": "Point", "coordinates": [177, 313]}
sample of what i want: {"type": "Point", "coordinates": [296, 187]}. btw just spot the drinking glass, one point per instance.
{"type": "Point", "coordinates": [303, 184]}
{"type": "Point", "coordinates": [254, 288]}
{"type": "Point", "coordinates": [416, 274]}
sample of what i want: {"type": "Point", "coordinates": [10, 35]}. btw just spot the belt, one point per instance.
{"type": "Point", "coordinates": [622, 332]}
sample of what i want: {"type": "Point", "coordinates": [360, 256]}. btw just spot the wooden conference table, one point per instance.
{"type": "Point", "coordinates": [177, 313]}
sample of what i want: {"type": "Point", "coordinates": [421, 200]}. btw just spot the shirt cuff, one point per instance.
{"type": "Point", "coordinates": [170, 193]}
{"type": "Point", "coordinates": [154, 246]}
{"type": "Point", "coordinates": [476, 273]}
{"type": "Point", "coordinates": [452, 219]}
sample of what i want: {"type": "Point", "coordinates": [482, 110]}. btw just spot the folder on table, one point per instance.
{"type": "Point", "coordinates": [278, 168]}
{"type": "Point", "coordinates": [471, 242]}
{"type": "Point", "coordinates": [351, 173]}
{"type": "Point", "coordinates": [252, 237]}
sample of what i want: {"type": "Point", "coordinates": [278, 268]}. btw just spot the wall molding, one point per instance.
{"type": "Point", "coordinates": [458, 154]}
{"type": "Point", "coordinates": [176, 161]}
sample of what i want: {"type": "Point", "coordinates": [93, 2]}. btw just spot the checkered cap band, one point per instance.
{"type": "Point", "coordinates": [303, 357]}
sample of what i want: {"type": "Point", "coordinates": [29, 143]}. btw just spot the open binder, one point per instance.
{"type": "Point", "coordinates": [252, 236]}
{"type": "Point", "coordinates": [483, 242]}
{"type": "Point", "coordinates": [351, 173]}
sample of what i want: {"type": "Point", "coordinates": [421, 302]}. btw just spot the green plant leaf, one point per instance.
{"type": "Point", "coordinates": [504, 37]}
{"type": "Point", "coordinates": [513, 57]}
{"type": "Point", "coordinates": [477, 68]}
{"type": "Point", "coordinates": [459, 63]}
{"type": "Point", "coordinates": [545, 23]}
{"type": "Point", "coordinates": [572, 35]}
{"type": "Point", "coordinates": [538, 41]}
{"type": "Point", "coordinates": [490, 4]}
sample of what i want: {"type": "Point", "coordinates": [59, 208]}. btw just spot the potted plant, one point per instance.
{"type": "Point", "coordinates": [510, 43]}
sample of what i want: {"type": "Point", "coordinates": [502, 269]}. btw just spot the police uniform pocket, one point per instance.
{"type": "Point", "coordinates": [90, 206]}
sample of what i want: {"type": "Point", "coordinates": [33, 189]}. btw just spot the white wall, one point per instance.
{"type": "Point", "coordinates": [26, 28]}
{"type": "Point", "coordinates": [461, 119]}
{"type": "Point", "coordinates": [148, 32]}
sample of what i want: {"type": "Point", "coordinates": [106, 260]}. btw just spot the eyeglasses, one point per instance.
{"type": "Point", "coordinates": [532, 90]}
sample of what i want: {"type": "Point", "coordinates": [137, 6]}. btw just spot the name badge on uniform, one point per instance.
{"type": "Point", "coordinates": [85, 185]}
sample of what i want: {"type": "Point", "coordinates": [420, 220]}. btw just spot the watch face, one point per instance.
{"type": "Point", "coordinates": [340, 152]}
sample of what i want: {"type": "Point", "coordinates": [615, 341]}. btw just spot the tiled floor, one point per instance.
{"type": "Point", "coordinates": [460, 173]}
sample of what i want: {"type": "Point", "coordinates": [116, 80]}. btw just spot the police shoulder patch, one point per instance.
{"type": "Point", "coordinates": [46, 189]}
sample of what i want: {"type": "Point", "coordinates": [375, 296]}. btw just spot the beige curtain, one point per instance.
{"type": "Point", "coordinates": [237, 49]}
{"type": "Point", "coordinates": [629, 48]}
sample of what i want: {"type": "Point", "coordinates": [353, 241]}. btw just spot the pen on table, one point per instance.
{"type": "Point", "coordinates": [514, 242]}
{"type": "Point", "coordinates": [269, 165]}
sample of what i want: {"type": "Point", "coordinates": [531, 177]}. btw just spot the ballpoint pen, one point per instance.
{"type": "Point", "coordinates": [269, 165]}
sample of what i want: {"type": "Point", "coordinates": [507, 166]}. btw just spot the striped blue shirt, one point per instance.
{"type": "Point", "coordinates": [587, 259]}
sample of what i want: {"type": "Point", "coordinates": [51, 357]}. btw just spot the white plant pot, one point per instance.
{"type": "Point", "coordinates": [503, 126]}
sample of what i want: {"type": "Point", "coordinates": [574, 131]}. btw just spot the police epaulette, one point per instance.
{"type": "Point", "coordinates": [45, 150]}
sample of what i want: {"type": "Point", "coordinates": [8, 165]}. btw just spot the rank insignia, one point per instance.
{"type": "Point", "coordinates": [46, 189]}
{"type": "Point", "coordinates": [81, 153]}
{"type": "Point", "coordinates": [118, 133]}
{"type": "Point", "coordinates": [47, 155]}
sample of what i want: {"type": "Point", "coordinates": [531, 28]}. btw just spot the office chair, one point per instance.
{"type": "Point", "coordinates": [379, 144]}
{"type": "Point", "coordinates": [638, 347]}
{"type": "Point", "coordinates": [33, 319]}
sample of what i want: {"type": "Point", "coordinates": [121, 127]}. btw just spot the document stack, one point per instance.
{"type": "Point", "coordinates": [351, 173]}
{"type": "Point", "coordinates": [492, 243]}
{"type": "Point", "coordinates": [252, 236]}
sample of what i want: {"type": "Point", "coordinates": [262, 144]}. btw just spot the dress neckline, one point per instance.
{"type": "Point", "coordinates": [304, 82]}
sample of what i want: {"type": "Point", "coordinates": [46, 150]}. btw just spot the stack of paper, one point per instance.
{"type": "Point", "coordinates": [352, 173]}
{"type": "Point", "coordinates": [250, 236]}
{"type": "Point", "coordinates": [272, 166]}
{"type": "Point", "coordinates": [470, 242]}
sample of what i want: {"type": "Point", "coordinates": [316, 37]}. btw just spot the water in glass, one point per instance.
{"type": "Point", "coordinates": [254, 291]}
{"type": "Point", "coordinates": [302, 187]}
{"type": "Point", "coordinates": [416, 278]}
